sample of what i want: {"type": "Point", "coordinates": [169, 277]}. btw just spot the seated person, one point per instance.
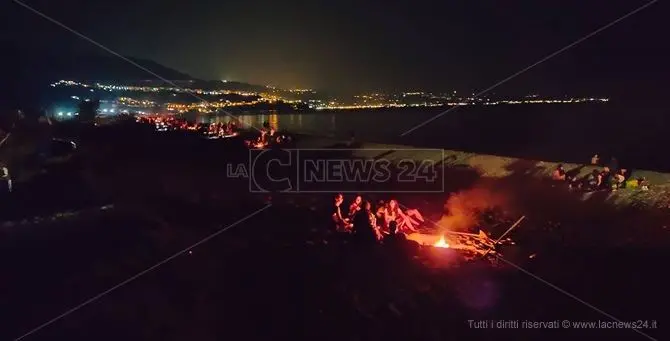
{"type": "Point", "coordinates": [618, 180]}
{"type": "Point", "coordinates": [397, 241]}
{"type": "Point", "coordinates": [363, 228]}
{"type": "Point", "coordinates": [558, 174]}
{"type": "Point", "coordinates": [355, 206]}
{"type": "Point", "coordinates": [342, 224]}
{"type": "Point", "coordinates": [594, 180]}
{"type": "Point", "coordinates": [606, 178]}
{"type": "Point", "coordinates": [372, 217]}
{"type": "Point", "coordinates": [643, 184]}
{"type": "Point", "coordinates": [394, 235]}
{"type": "Point", "coordinates": [405, 221]}
{"type": "Point", "coordinates": [379, 215]}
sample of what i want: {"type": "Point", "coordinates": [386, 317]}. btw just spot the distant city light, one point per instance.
{"type": "Point", "coordinates": [414, 99]}
{"type": "Point", "coordinates": [60, 113]}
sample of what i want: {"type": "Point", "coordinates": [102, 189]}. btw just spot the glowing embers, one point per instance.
{"type": "Point", "coordinates": [256, 144]}
{"type": "Point", "coordinates": [441, 243]}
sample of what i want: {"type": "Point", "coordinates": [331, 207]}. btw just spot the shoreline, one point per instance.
{"type": "Point", "coordinates": [487, 166]}
{"type": "Point", "coordinates": [498, 167]}
{"type": "Point", "coordinates": [169, 192]}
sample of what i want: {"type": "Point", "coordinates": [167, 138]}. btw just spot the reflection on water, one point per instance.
{"type": "Point", "coordinates": [529, 131]}
{"type": "Point", "coordinates": [457, 129]}
{"type": "Point", "coordinates": [247, 120]}
{"type": "Point", "coordinates": [274, 121]}
{"type": "Point", "coordinates": [328, 124]}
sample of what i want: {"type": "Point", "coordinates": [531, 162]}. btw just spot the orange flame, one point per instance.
{"type": "Point", "coordinates": [441, 243]}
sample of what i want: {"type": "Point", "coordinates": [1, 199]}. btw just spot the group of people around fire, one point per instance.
{"type": "Point", "coordinates": [268, 136]}
{"type": "Point", "coordinates": [610, 177]}
{"type": "Point", "coordinates": [223, 129]}
{"type": "Point", "coordinates": [171, 123]}
{"type": "Point", "coordinates": [370, 223]}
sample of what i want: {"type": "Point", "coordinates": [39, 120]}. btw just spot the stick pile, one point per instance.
{"type": "Point", "coordinates": [476, 244]}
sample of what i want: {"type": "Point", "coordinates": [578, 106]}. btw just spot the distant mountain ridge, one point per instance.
{"type": "Point", "coordinates": [36, 67]}
{"type": "Point", "coordinates": [29, 71]}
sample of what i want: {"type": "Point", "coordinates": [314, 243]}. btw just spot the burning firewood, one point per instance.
{"type": "Point", "coordinates": [479, 244]}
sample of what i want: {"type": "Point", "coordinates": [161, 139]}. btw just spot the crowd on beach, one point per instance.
{"type": "Point", "coordinates": [365, 223]}
{"type": "Point", "coordinates": [171, 123]}
{"type": "Point", "coordinates": [610, 177]}
{"type": "Point", "coordinates": [222, 129]}
{"type": "Point", "coordinates": [268, 136]}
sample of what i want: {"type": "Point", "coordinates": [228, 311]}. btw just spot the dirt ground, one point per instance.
{"type": "Point", "coordinates": [282, 273]}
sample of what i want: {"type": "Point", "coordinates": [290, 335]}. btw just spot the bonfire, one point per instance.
{"type": "Point", "coordinates": [472, 243]}
{"type": "Point", "coordinates": [256, 144]}
{"type": "Point", "coordinates": [441, 243]}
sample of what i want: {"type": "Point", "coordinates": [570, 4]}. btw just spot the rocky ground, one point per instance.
{"type": "Point", "coordinates": [122, 205]}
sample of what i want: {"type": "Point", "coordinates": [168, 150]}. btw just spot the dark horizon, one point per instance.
{"type": "Point", "coordinates": [362, 47]}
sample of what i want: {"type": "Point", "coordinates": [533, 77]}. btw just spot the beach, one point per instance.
{"type": "Point", "coordinates": [553, 132]}
{"type": "Point", "coordinates": [281, 272]}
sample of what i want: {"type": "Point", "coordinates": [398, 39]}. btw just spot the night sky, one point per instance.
{"type": "Point", "coordinates": [366, 45]}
